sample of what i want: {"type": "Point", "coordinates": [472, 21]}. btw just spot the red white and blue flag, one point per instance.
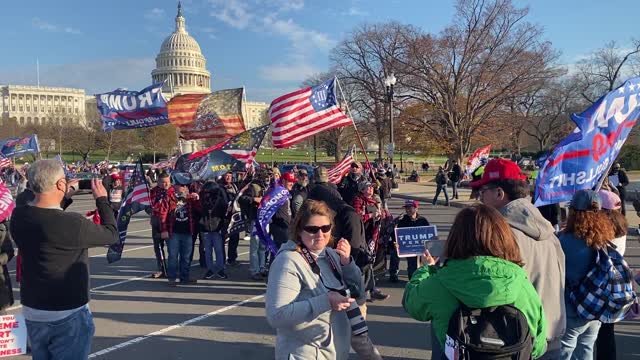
{"type": "Point", "coordinates": [336, 173]}
{"type": "Point", "coordinates": [4, 162]}
{"type": "Point", "coordinates": [474, 161]}
{"type": "Point", "coordinates": [135, 200]}
{"type": "Point", "coordinates": [581, 159]}
{"type": "Point", "coordinates": [304, 113]}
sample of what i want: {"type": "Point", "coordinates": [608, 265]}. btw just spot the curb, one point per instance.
{"type": "Point", "coordinates": [455, 204]}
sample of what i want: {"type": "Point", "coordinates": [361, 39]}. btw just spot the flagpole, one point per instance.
{"type": "Point", "coordinates": [364, 151]}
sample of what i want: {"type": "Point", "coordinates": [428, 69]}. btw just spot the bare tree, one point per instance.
{"type": "Point", "coordinates": [160, 138]}
{"type": "Point", "coordinates": [605, 69]}
{"type": "Point", "coordinates": [363, 61]}
{"type": "Point", "coordinates": [470, 71]}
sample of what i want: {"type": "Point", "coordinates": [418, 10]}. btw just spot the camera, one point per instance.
{"type": "Point", "coordinates": [357, 321]}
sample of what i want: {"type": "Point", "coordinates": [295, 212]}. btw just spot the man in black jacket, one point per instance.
{"type": "Point", "coordinates": [348, 187]}
{"type": "Point", "coordinates": [455, 176]}
{"type": "Point", "coordinates": [54, 244]}
{"type": "Point", "coordinates": [249, 201]}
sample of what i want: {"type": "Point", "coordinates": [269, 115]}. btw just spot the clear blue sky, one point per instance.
{"type": "Point", "coordinates": [267, 46]}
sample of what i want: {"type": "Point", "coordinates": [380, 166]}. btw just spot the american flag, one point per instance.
{"type": "Point", "coordinates": [243, 146]}
{"type": "Point", "coordinates": [336, 173]}
{"type": "Point", "coordinates": [208, 116]}
{"type": "Point", "coordinates": [4, 162]}
{"type": "Point", "coordinates": [135, 200]}
{"type": "Point", "coordinates": [304, 113]}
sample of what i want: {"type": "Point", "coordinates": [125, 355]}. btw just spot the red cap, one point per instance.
{"type": "Point", "coordinates": [115, 176]}
{"type": "Point", "coordinates": [289, 177]}
{"type": "Point", "coordinates": [499, 169]}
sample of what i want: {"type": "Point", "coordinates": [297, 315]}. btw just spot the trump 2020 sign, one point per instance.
{"type": "Point", "coordinates": [411, 240]}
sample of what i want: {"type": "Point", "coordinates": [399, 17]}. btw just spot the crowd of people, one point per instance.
{"type": "Point", "coordinates": [504, 262]}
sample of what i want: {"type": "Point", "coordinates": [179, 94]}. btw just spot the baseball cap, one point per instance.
{"type": "Point", "coordinates": [363, 185]}
{"type": "Point", "coordinates": [499, 169]}
{"type": "Point", "coordinates": [115, 176]}
{"type": "Point", "coordinates": [583, 199]}
{"type": "Point", "coordinates": [289, 177]}
{"type": "Point", "coordinates": [610, 200]}
{"type": "Point", "coordinates": [411, 203]}
{"type": "Point", "coordinates": [303, 172]}
{"type": "Point", "coordinates": [355, 164]}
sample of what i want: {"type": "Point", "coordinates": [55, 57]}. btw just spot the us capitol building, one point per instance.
{"type": "Point", "coordinates": [179, 63]}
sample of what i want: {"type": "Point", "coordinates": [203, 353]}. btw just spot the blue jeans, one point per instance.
{"type": "Point", "coordinates": [66, 339]}
{"type": "Point", "coordinates": [440, 188]}
{"type": "Point", "coordinates": [578, 340]}
{"type": "Point", "coordinates": [179, 245]}
{"type": "Point", "coordinates": [257, 254]}
{"type": "Point", "coordinates": [213, 242]}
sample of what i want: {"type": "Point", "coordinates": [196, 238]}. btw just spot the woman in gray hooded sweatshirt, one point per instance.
{"type": "Point", "coordinates": [311, 286]}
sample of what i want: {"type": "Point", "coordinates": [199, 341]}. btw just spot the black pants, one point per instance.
{"type": "Point", "coordinates": [394, 264]}
{"type": "Point", "coordinates": [623, 196]}
{"type": "Point", "coordinates": [158, 249]}
{"type": "Point", "coordinates": [232, 252]}
{"type": "Point", "coordinates": [606, 343]}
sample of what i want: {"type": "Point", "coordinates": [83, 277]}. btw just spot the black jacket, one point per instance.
{"type": "Point", "coordinates": [53, 245]}
{"type": "Point", "coordinates": [349, 225]}
{"type": "Point", "coordinates": [348, 188]}
{"type": "Point", "coordinates": [6, 254]}
{"type": "Point", "coordinates": [327, 192]}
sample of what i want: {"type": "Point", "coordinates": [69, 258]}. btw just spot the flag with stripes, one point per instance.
{"type": "Point", "coordinates": [208, 116]}
{"type": "Point", "coordinates": [304, 113]}
{"type": "Point", "coordinates": [336, 173]}
{"type": "Point", "coordinates": [243, 146]}
{"type": "Point", "coordinates": [135, 200]}
{"type": "Point", "coordinates": [4, 162]}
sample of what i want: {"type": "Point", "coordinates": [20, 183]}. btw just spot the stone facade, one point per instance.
{"type": "Point", "coordinates": [181, 64]}
{"type": "Point", "coordinates": [41, 104]}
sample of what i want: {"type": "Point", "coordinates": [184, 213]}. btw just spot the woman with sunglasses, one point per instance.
{"type": "Point", "coordinates": [310, 288]}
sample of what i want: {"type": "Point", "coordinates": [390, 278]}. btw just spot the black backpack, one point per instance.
{"type": "Point", "coordinates": [499, 332]}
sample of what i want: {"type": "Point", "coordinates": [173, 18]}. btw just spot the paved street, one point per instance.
{"type": "Point", "coordinates": [141, 318]}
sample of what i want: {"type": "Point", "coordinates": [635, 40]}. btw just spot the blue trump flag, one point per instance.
{"type": "Point", "coordinates": [124, 109]}
{"type": "Point", "coordinates": [275, 197]}
{"type": "Point", "coordinates": [19, 146]}
{"type": "Point", "coordinates": [581, 159]}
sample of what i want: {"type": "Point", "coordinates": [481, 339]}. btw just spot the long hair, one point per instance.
{"type": "Point", "coordinates": [480, 230]}
{"type": "Point", "coordinates": [308, 209]}
{"type": "Point", "coordinates": [619, 222]}
{"type": "Point", "coordinates": [592, 226]}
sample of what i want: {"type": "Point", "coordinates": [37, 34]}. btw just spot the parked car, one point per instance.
{"type": "Point", "coordinates": [289, 167]}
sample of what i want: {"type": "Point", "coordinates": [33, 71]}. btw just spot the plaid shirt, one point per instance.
{"type": "Point", "coordinates": [606, 293]}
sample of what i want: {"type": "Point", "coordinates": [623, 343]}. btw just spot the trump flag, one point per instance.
{"type": "Point", "coordinates": [581, 159]}
{"type": "Point", "coordinates": [124, 109]}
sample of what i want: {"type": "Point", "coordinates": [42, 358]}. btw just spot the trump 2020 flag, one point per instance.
{"type": "Point", "coordinates": [304, 113]}
{"type": "Point", "coordinates": [275, 197]}
{"type": "Point", "coordinates": [581, 159]}
{"type": "Point", "coordinates": [135, 200]}
{"type": "Point", "coordinates": [124, 109]}
{"type": "Point", "coordinates": [18, 146]}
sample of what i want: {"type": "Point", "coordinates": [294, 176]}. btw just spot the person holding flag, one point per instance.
{"type": "Point", "coordinates": [160, 201]}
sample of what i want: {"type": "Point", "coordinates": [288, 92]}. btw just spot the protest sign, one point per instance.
{"type": "Point", "coordinates": [13, 335]}
{"type": "Point", "coordinates": [411, 240]}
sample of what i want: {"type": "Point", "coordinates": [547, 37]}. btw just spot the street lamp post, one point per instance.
{"type": "Point", "coordinates": [389, 82]}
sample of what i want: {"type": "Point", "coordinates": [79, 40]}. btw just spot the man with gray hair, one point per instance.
{"type": "Point", "coordinates": [55, 282]}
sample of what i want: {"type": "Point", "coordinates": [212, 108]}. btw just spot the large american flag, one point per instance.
{"type": "Point", "coordinates": [336, 173]}
{"type": "Point", "coordinates": [137, 189]}
{"type": "Point", "coordinates": [243, 146]}
{"type": "Point", "coordinates": [304, 113]}
{"type": "Point", "coordinates": [208, 116]}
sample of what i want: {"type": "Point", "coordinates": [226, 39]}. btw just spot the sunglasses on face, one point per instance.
{"type": "Point", "coordinates": [314, 229]}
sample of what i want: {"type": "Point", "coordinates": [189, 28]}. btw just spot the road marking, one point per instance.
{"type": "Point", "coordinates": [124, 251]}
{"type": "Point", "coordinates": [119, 282]}
{"type": "Point", "coordinates": [174, 327]}
{"type": "Point", "coordinates": [140, 277]}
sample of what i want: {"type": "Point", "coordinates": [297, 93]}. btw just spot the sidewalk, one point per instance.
{"type": "Point", "coordinates": [425, 192]}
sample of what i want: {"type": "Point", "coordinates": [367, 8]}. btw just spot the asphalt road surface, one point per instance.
{"type": "Point", "coordinates": [137, 317]}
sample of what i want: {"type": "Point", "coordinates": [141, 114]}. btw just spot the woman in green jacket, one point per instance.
{"type": "Point", "coordinates": [483, 269]}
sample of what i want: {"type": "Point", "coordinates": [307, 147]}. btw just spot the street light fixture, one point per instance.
{"type": "Point", "coordinates": [389, 83]}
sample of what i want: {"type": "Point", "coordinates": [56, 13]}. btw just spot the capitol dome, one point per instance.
{"type": "Point", "coordinates": [180, 63]}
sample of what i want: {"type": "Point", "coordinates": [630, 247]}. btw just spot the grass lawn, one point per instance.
{"type": "Point", "coordinates": [304, 156]}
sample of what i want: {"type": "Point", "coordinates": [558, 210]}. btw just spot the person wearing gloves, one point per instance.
{"type": "Point", "coordinates": [313, 290]}
{"type": "Point", "coordinates": [483, 259]}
